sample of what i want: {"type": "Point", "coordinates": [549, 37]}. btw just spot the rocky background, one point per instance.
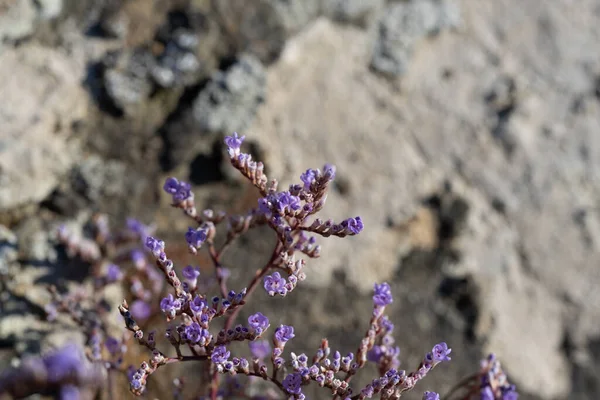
{"type": "Point", "coordinates": [466, 134]}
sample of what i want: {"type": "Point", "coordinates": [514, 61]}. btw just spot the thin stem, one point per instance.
{"type": "Point", "coordinates": [216, 259]}
{"type": "Point", "coordinates": [231, 317]}
{"type": "Point", "coordinates": [254, 284]}
{"type": "Point", "coordinates": [460, 385]}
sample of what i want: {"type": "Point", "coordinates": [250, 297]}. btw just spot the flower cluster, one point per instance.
{"type": "Point", "coordinates": [202, 326]}
{"type": "Point", "coordinates": [494, 383]}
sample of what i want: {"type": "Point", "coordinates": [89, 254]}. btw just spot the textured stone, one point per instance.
{"type": "Point", "coordinates": [402, 25]}
{"type": "Point", "coordinates": [17, 19]}
{"type": "Point", "coordinates": [358, 12]}
{"type": "Point", "coordinates": [41, 101]}
{"type": "Point", "coordinates": [529, 243]}
{"type": "Point", "coordinates": [230, 100]}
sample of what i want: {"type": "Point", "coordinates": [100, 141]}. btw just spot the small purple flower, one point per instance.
{"type": "Point", "coordinates": [329, 172]}
{"type": "Point", "coordinates": [179, 191]}
{"type": "Point", "coordinates": [234, 142]}
{"type": "Point", "coordinates": [258, 322]}
{"type": "Point", "coordinates": [138, 258]}
{"type": "Point", "coordinates": [219, 355]}
{"type": "Point", "coordinates": [156, 246]}
{"type": "Point", "coordinates": [383, 294]}
{"type": "Point", "coordinates": [487, 394]}
{"type": "Point", "coordinates": [275, 284]}
{"type": "Point", "coordinates": [69, 392]}
{"type": "Point", "coordinates": [193, 332]}
{"type": "Point", "coordinates": [376, 353]}
{"type": "Point", "coordinates": [169, 304]}
{"type": "Point", "coordinates": [309, 177]}
{"type": "Point", "coordinates": [260, 349]}
{"type": "Point", "coordinates": [509, 393]}
{"type": "Point", "coordinates": [112, 345]}
{"type": "Point", "coordinates": [198, 304]}
{"type": "Point", "coordinates": [440, 352]}
{"type": "Point", "coordinates": [284, 333]}
{"type": "Point", "coordinates": [195, 237]}
{"type": "Point", "coordinates": [387, 324]}
{"type": "Point", "coordinates": [354, 225]}
{"type": "Point", "coordinates": [293, 383]}
{"type": "Point", "coordinates": [138, 228]}
{"type": "Point", "coordinates": [64, 363]}
{"type": "Point", "coordinates": [113, 273]}
{"type": "Point", "coordinates": [140, 310]}
{"type": "Point", "coordinates": [286, 201]}
{"type": "Point", "coordinates": [191, 273]}
{"type": "Point", "coordinates": [431, 396]}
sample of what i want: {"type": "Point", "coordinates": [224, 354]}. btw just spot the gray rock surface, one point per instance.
{"type": "Point", "coordinates": [402, 25]}
{"type": "Point", "coordinates": [230, 100]}
{"type": "Point", "coordinates": [358, 12]}
{"type": "Point", "coordinates": [17, 19]}
{"type": "Point", "coordinates": [529, 241]}
{"type": "Point", "coordinates": [41, 101]}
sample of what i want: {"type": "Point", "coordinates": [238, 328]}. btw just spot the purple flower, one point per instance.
{"type": "Point", "coordinates": [440, 352]}
{"type": "Point", "coordinates": [383, 294]}
{"type": "Point", "coordinates": [292, 383]}
{"type": "Point", "coordinates": [376, 353]}
{"type": "Point", "coordinates": [138, 228]}
{"type": "Point", "coordinates": [198, 304]}
{"type": "Point", "coordinates": [169, 305]}
{"type": "Point", "coordinates": [387, 324]}
{"type": "Point", "coordinates": [354, 225]}
{"type": "Point", "coordinates": [284, 333]}
{"type": "Point", "coordinates": [64, 363]}
{"type": "Point", "coordinates": [179, 191]}
{"type": "Point", "coordinates": [69, 392]}
{"type": "Point", "coordinates": [264, 205]}
{"type": "Point", "coordinates": [509, 393]}
{"type": "Point", "coordinates": [195, 237]}
{"type": "Point", "coordinates": [194, 333]}
{"type": "Point", "coordinates": [275, 284]}
{"type": "Point", "coordinates": [113, 273]}
{"type": "Point", "coordinates": [431, 396]}
{"type": "Point", "coordinates": [309, 177]}
{"type": "Point", "coordinates": [138, 258]}
{"type": "Point", "coordinates": [234, 142]}
{"type": "Point", "coordinates": [156, 246]}
{"type": "Point", "coordinates": [258, 322]}
{"type": "Point", "coordinates": [329, 172]}
{"type": "Point", "coordinates": [487, 394]}
{"type": "Point", "coordinates": [140, 310]}
{"type": "Point", "coordinates": [219, 355]}
{"type": "Point", "coordinates": [112, 345]}
{"type": "Point", "coordinates": [286, 201]}
{"type": "Point", "coordinates": [260, 348]}
{"type": "Point", "coordinates": [191, 273]}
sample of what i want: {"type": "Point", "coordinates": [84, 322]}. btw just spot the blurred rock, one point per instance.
{"type": "Point", "coordinates": [35, 246]}
{"type": "Point", "coordinates": [127, 78]}
{"type": "Point", "coordinates": [295, 14]}
{"type": "Point", "coordinates": [49, 9]}
{"type": "Point", "coordinates": [8, 249]}
{"type": "Point", "coordinates": [358, 12]}
{"type": "Point", "coordinates": [41, 101]}
{"type": "Point", "coordinates": [17, 19]}
{"type": "Point", "coordinates": [230, 100]}
{"type": "Point", "coordinates": [528, 243]}
{"type": "Point", "coordinates": [402, 25]}
{"type": "Point", "coordinates": [262, 27]}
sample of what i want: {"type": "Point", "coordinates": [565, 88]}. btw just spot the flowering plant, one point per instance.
{"type": "Point", "coordinates": [202, 328]}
